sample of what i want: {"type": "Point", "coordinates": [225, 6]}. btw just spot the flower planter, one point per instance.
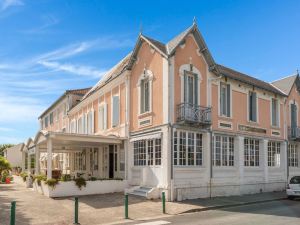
{"type": "Point", "coordinates": [69, 188]}
{"type": "Point", "coordinates": [37, 188]}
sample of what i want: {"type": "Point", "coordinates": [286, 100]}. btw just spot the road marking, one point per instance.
{"type": "Point", "coordinates": [160, 222]}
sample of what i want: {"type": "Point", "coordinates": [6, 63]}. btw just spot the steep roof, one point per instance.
{"type": "Point", "coordinates": [111, 74]}
{"type": "Point", "coordinates": [161, 46]}
{"type": "Point", "coordinates": [233, 74]}
{"type": "Point", "coordinates": [79, 92]}
{"type": "Point", "coordinates": [285, 84]}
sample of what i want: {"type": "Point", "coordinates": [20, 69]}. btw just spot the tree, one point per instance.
{"type": "Point", "coordinates": [3, 147]}
{"type": "Point", "coordinates": [4, 165]}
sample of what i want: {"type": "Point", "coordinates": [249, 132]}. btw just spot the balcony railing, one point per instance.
{"type": "Point", "coordinates": [294, 133]}
{"type": "Point", "coordinates": [191, 113]}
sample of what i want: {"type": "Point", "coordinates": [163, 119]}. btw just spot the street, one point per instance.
{"type": "Point", "coordinates": [273, 213]}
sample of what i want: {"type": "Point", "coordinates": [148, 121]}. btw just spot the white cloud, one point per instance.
{"type": "Point", "coordinates": [19, 109]}
{"type": "Point", "coordinates": [6, 4]}
{"type": "Point", "coordinates": [74, 69]}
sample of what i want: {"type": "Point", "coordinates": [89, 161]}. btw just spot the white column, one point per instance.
{"type": "Point", "coordinates": [264, 159]}
{"type": "Point", "coordinates": [166, 160]}
{"type": "Point", "coordinates": [49, 158]}
{"type": "Point", "coordinates": [239, 149]}
{"type": "Point", "coordinates": [37, 160]}
{"type": "Point", "coordinates": [284, 159]}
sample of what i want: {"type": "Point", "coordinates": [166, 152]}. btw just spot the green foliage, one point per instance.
{"type": "Point", "coordinates": [39, 178]}
{"type": "Point", "coordinates": [92, 178]}
{"type": "Point", "coordinates": [80, 182]}
{"type": "Point", "coordinates": [120, 179]}
{"type": "Point", "coordinates": [65, 177]}
{"type": "Point", "coordinates": [24, 175]}
{"type": "Point", "coordinates": [4, 165]}
{"type": "Point", "coordinates": [52, 182]}
{"type": "Point", "coordinates": [3, 147]}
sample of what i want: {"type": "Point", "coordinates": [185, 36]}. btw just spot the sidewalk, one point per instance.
{"type": "Point", "coordinates": [33, 208]}
{"type": "Point", "coordinates": [205, 204]}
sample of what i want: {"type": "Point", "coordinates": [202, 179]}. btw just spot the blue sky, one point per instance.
{"type": "Point", "coordinates": [48, 46]}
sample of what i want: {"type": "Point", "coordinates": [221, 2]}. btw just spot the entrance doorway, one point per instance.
{"type": "Point", "coordinates": [111, 162]}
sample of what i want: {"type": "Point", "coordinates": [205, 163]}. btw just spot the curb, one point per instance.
{"type": "Point", "coordinates": [229, 205]}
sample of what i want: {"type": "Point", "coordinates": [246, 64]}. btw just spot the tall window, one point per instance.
{"type": "Point", "coordinates": [80, 160]}
{"type": "Point", "coordinates": [51, 118]}
{"type": "Point", "coordinates": [293, 115]}
{"type": "Point", "coordinates": [274, 154]}
{"type": "Point", "coordinates": [79, 126]}
{"type": "Point", "coordinates": [115, 111]}
{"type": "Point", "coordinates": [251, 154]}
{"type": "Point", "coordinates": [275, 112]}
{"type": "Point", "coordinates": [225, 99]}
{"type": "Point", "coordinates": [145, 96]}
{"type": "Point", "coordinates": [73, 126]}
{"type": "Point", "coordinates": [293, 155]}
{"type": "Point", "coordinates": [252, 106]}
{"type": "Point", "coordinates": [90, 122]}
{"type": "Point", "coordinates": [102, 117]}
{"type": "Point", "coordinates": [223, 152]}
{"type": "Point", "coordinates": [187, 148]}
{"type": "Point", "coordinates": [147, 152]}
{"type": "Point", "coordinates": [46, 121]}
{"type": "Point", "coordinates": [190, 88]}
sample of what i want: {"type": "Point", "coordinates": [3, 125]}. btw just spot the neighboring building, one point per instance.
{"type": "Point", "coordinates": [14, 155]}
{"type": "Point", "coordinates": [168, 118]}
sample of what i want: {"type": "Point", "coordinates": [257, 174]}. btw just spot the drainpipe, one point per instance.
{"type": "Point", "coordinates": [211, 164]}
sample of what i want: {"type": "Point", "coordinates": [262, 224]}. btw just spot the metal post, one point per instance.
{"type": "Point", "coordinates": [164, 202]}
{"type": "Point", "coordinates": [13, 213]}
{"type": "Point", "coordinates": [126, 206]}
{"type": "Point", "coordinates": [76, 211]}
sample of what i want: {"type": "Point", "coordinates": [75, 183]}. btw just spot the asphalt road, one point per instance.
{"type": "Point", "coordinates": [282, 212]}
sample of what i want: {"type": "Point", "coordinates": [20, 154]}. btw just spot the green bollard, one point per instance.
{"type": "Point", "coordinates": [126, 206]}
{"type": "Point", "coordinates": [13, 213]}
{"type": "Point", "coordinates": [164, 202]}
{"type": "Point", "coordinates": [76, 211]}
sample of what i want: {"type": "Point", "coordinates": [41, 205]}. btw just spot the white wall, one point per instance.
{"type": "Point", "coordinates": [14, 155]}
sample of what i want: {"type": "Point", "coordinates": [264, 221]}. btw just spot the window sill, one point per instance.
{"type": "Point", "coordinates": [225, 117]}
{"type": "Point", "coordinates": [275, 127]}
{"type": "Point", "coordinates": [141, 115]}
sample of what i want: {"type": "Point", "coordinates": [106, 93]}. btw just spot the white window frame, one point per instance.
{"type": "Point", "coordinates": [293, 155]}
{"type": "Point", "coordinates": [146, 75]}
{"type": "Point", "coordinates": [197, 149]}
{"type": "Point", "coordinates": [226, 148]}
{"type": "Point", "coordinates": [151, 155]}
{"type": "Point", "coordinates": [274, 155]}
{"type": "Point", "coordinates": [278, 112]}
{"type": "Point", "coordinates": [112, 111]}
{"type": "Point", "coordinates": [251, 153]}
{"type": "Point", "coordinates": [221, 83]}
{"type": "Point", "coordinates": [103, 126]}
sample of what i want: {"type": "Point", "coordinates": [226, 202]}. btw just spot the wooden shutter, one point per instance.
{"type": "Point", "coordinates": [228, 100]}
{"type": "Point", "coordinates": [254, 108]}
{"type": "Point", "coordinates": [185, 89]}
{"type": "Point", "coordinates": [115, 111]}
{"type": "Point", "coordinates": [105, 116]}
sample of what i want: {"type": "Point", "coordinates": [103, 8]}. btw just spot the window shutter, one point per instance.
{"type": "Point", "coordinates": [105, 116]}
{"type": "Point", "coordinates": [185, 89]}
{"type": "Point", "coordinates": [228, 100]}
{"type": "Point", "coordinates": [254, 111]}
{"type": "Point", "coordinates": [142, 97]}
{"type": "Point", "coordinates": [196, 89]}
{"type": "Point", "coordinates": [100, 118]}
{"type": "Point", "coordinates": [93, 125]}
{"type": "Point", "coordinates": [115, 111]}
{"type": "Point", "coordinates": [293, 115]}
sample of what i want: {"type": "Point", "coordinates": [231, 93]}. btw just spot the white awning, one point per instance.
{"type": "Point", "coordinates": [146, 137]}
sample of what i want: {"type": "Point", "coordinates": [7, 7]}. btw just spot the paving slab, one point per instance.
{"type": "Point", "coordinates": [36, 209]}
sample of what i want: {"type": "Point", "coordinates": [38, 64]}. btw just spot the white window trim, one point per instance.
{"type": "Point", "coordinates": [271, 114]}
{"type": "Point", "coordinates": [104, 106]}
{"type": "Point", "coordinates": [146, 75]}
{"type": "Point", "coordinates": [187, 67]}
{"type": "Point", "coordinates": [257, 109]}
{"type": "Point", "coordinates": [112, 110]}
{"type": "Point", "coordinates": [219, 100]}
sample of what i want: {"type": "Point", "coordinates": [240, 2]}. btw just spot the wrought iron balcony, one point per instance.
{"type": "Point", "coordinates": [294, 133]}
{"type": "Point", "coordinates": [191, 113]}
